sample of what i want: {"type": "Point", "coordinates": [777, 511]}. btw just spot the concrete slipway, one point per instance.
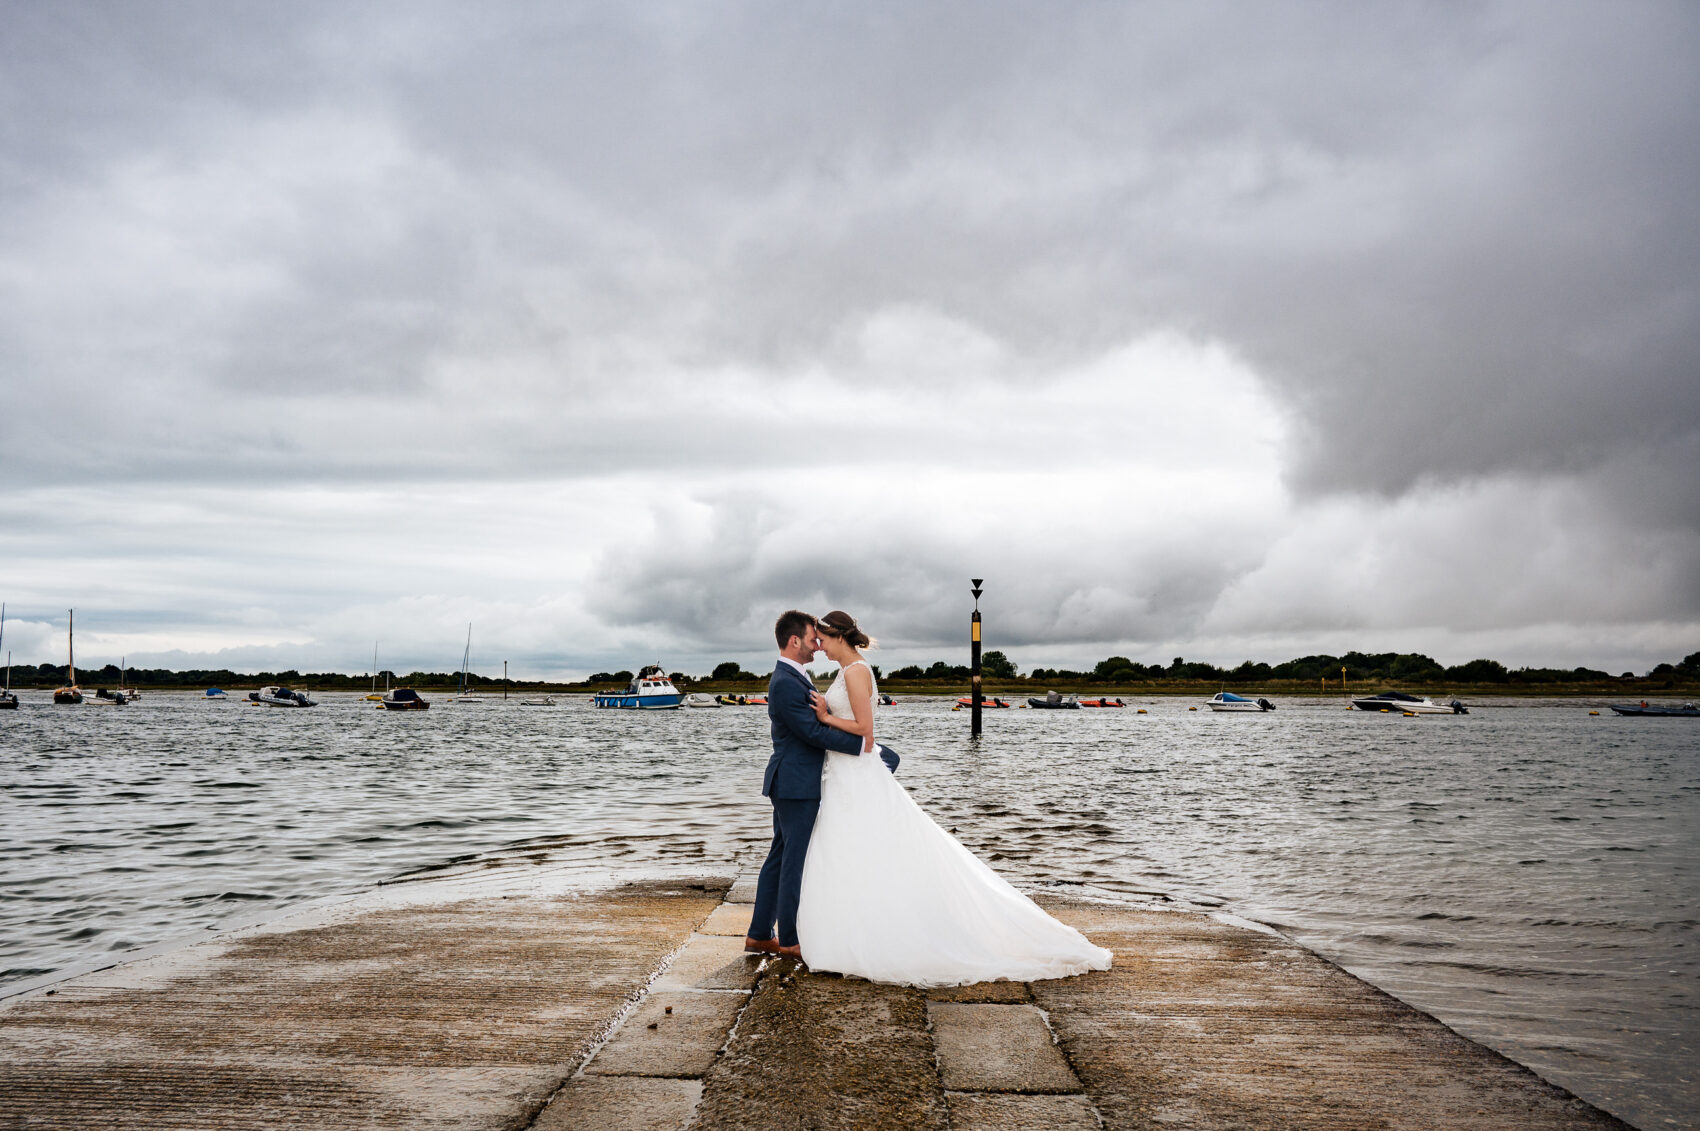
{"type": "Point", "coordinates": [446, 1004]}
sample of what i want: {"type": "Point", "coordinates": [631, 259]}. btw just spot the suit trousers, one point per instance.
{"type": "Point", "coordinates": [780, 884]}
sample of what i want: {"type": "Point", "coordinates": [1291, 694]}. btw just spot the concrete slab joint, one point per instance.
{"type": "Point", "coordinates": [997, 1048]}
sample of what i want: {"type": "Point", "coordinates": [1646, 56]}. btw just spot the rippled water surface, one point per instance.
{"type": "Point", "coordinates": [1527, 873]}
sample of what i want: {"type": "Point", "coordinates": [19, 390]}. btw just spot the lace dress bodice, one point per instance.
{"type": "Point", "coordinates": [838, 695]}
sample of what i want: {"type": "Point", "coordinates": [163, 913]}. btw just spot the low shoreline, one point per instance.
{"type": "Point", "coordinates": [1603, 691]}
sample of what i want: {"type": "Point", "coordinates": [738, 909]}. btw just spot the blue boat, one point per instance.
{"type": "Point", "coordinates": [650, 691]}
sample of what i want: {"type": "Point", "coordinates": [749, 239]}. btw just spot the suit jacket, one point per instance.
{"type": "Point", "coordinates": [800, 741]}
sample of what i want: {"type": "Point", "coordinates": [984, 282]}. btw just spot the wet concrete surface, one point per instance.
{"type": "Point", "coordinates": [997, 1048]}
{"type": "Point", "coordinates": [463, 1013]}
{"type": "Point", "coordinates": [817, 1052]}
{"type": "Point", "coordinates": [1203, 1023]}
{"type": "Point", "coordinates": [635, 1009]}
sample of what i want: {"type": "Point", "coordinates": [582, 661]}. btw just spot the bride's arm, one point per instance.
{"type": "Point", "coordinates": [860, 685]}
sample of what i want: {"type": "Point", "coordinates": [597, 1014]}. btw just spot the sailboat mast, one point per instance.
{"type": "Point", "coordinates": [374, 667]}
{"type": "Point", "coordinates": [71, 645]}
{"type": "Point", "coordinates": [465, 657]}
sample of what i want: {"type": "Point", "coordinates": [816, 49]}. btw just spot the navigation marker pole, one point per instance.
{"type": "Point", "coordinates": [974, 659]}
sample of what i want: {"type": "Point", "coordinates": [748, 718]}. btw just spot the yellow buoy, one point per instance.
{"type": "Point", "coordinates": [1410, 714]}
{"type": "Point", "coordinates": [1142, 711]}
{"type": "Point", "coordinates": [1192, 708]}
{"type": "Point", "coordinates": [1593, 712]}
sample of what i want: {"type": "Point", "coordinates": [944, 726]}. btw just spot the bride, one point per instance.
{"type": "Point", "coordinates": [890, 896]}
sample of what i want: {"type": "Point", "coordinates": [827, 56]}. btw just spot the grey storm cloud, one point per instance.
{"type": "Point", "coordinates": [419, 245]}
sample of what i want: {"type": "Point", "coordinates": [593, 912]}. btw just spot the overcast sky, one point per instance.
{"type": "Point", "coordinates": [1216, 330]}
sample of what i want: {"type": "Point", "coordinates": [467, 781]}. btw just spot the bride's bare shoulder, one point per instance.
{"type": "Point", "coordinates": [857, 677]}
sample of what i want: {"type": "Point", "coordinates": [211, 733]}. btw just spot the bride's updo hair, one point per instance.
{"type": "Point", "coordinates": [842, 625]}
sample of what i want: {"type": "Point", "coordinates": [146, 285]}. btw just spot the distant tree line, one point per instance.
{"type": "Point", "coordinates": [1395, 667]}
{"type": "Point", "coordinates": [57, 675]}
{"type": "Point", "coordinates": [1398, 667]}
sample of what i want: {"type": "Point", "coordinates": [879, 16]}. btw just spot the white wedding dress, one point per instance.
{"type": "Point", "coordinates": [890, 896]}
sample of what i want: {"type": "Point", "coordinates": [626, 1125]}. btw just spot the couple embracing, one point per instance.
{"type": "Point", "coordinates": [859, 879]}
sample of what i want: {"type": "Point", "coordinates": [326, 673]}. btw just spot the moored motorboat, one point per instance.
{"type": "Point", "coordinates": [1228, 701]}
{"type": "Point", "coordinates": [1102, 703]}
{"type": "Point", "coordinates": [987, 701]}
{"type": "Point", "coordinates": [1398, 702]}
{"type": "Point", "coordinates": [1646, 710]}
{"type": "Point", "coordinates": [281, 697]}
{"type": "Point", "coordinates": [886, 700]}
{"type": "Point", "coordinates": [1054, 702]}
{"type": "Point", "coordinates": [404, 699]}
{"type": "Point", "coordinates": [215, 695]}
{"type": "Point", "coordinates": [699, 699]}
{"type": "Point", "coordinates": [651, 690]}
{"type": "Point", "coordinates": [537, 701]}
{"type": "Point", "coordinates": [741, 700]}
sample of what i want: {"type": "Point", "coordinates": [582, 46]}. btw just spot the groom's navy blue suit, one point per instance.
{"type": "Point", "coordinates": [792, 783]}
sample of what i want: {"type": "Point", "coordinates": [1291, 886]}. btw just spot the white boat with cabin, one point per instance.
{"type": "Point", "coordinates": [651, 690]}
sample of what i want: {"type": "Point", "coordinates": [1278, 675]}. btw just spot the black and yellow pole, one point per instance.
{"type": "Point", "coordinates": [974, 659]}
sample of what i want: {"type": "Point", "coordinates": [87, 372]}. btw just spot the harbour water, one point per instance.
{"type": "Point", "coordinates": [1527, 873]}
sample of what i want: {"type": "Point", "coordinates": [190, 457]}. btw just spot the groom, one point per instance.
{"type": "Point", "coordinates": [792, 783]}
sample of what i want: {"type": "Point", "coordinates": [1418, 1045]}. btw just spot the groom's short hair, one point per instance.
{"type": "Point", "coordinates": [791, 624]}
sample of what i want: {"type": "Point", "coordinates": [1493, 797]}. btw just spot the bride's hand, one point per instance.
{"type": "Point", "coordinates": [819, 705]}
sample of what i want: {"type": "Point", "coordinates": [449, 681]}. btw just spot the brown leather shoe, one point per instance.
{"type": "Point", "coordinates": [794, 953]}
{"type": "Point", "coordinates": [760, 946]}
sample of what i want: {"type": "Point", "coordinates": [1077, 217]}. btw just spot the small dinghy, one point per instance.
{"type": "Point", "coordinates": [741, 700]}
{"type": "Point", "coordinates": [1686, 711]}
{"type": "Point", "coordinates": [698, 699]}
{"type": "Point", "coordinates": [1228, 701]}
{"type": "Point", "coordinates": [985, 701]}
{"type": "Point", "coordinates": [1102, 703]}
